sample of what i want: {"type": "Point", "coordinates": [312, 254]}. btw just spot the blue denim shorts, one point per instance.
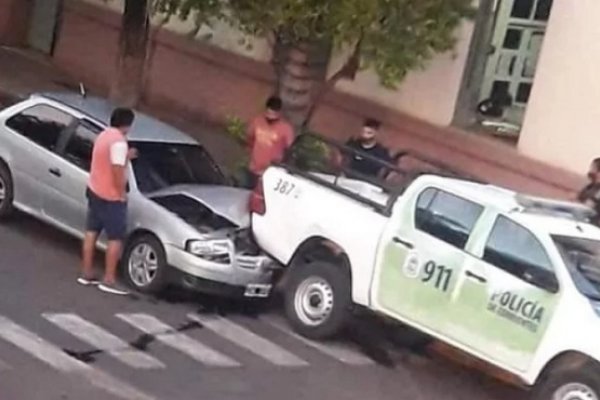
{"type": "Point", "coordinates": [106, 216]}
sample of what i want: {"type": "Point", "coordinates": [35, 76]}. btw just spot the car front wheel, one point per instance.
{"type": "Point", "coordinates": [583, 384]}
{"type": "Point", "coordinates": [145, 265]}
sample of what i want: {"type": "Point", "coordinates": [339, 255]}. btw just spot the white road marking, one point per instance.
{"type": "Point", "coordinates": [57, 359]}
{"type": "Point", "coordinates": [103, 340]}
{"type": "Point", "coordinates": [249, 340]}
{"type": "Point", "coordinates": [177, 340]}
{"type": "Point", "coordinates": [338, 351]}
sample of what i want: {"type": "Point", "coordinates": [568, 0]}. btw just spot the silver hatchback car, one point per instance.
{"type": "Point", "coordinates": [185, 224]}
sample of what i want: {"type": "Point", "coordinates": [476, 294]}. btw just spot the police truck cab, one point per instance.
{"type": "Point", "coordinates": [511, 279]}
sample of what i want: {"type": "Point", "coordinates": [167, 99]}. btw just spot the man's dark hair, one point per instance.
{"type": "Point", "coordinates": [274, 103]}
{"type": "Point", "coordinates": [372, 123]}
{"type": "Point", "coordinates": [121, 118]}
{"type": "Point", "coordinates": [596, 163]}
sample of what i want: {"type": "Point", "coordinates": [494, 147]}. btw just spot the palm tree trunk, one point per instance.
{"type": "Point", "coordinates": [127, 88]}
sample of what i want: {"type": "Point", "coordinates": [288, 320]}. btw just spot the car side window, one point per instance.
{"type": "Point", "coordinates": [41, 124]}
{"type": "Point", "coordinates": [515, 249]}
{"type": "Point", "coordinates": [81, 143]}
{"type": "Point", "coordinates": [447, 217]}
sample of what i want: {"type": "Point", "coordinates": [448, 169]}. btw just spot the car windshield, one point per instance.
{"type": "Point", "coordinates": [160, 165]}
{"type": "Point", "coordinates": [582, 257]}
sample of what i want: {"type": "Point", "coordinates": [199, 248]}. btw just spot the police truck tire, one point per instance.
{"type": "Point", "coordinates": [318, 299]}
{"type": "Point", "coordinates": [583, 383]}
{"type": "Point", "coordinates": [6, 192]}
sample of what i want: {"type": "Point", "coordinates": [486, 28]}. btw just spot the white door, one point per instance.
{"type": "Point", "coordinates": [517, 41]}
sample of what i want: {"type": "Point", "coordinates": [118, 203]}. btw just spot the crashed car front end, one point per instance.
{"type": "Point", "coordinates": [222, 256]}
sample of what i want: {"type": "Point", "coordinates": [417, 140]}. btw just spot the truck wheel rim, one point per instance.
{"type": "Point", "coordinates": [314, 301]}
{"type": "Point", "coordinates": [143, 264]}
{"type": "Point", "coordinates": [575, 391]}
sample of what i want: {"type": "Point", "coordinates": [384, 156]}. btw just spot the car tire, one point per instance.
{"type": "Point", "coordinates": [318, 300]}
{"type": "Point", "coordinates": [583, 383]}
{"type": "Point", "coordinates": [144, 264]}
{"type": "Point", "coordinates": [6, 192]}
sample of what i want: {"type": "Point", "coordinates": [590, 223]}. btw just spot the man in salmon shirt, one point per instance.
{"type": "Point", "coordinates": [269, 136]}
{"type": "Point", "coordinates": [107, 200]}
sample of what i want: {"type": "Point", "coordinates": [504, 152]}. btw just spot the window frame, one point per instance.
{"type": "Point", "coordinates": [69, 134]}
{"type": "Point", "coordinates": [60, 138]}
{"type": "Point", "coordinates": [521, 277]}
{"type": "Point", "coordinates": [431, 201]}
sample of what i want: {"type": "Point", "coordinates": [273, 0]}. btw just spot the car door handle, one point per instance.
{"type": "Point", "coordinates": [55, 172]}
{"type": "Point", "coordinates": [403, 242]}
{"type": "Point", "coordinates": [476, 277]}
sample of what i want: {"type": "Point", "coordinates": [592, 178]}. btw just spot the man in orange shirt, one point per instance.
{"type": "Point", "coordinates": [107, 200]}
{"type": "Point", "coordinates": [269, 136]}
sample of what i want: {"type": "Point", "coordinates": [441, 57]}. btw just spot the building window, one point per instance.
{"type": "Point", "coordinates": [512, 40]}
{"type": "Point", "coordinates": [542, 11]}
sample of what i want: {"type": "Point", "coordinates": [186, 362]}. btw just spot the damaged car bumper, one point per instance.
{"type": "Point", "coordinates": [223, 273]}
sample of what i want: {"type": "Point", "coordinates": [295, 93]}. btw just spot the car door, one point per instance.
{"type": "Point", "coordinates": [69, 206]}
{"type": "Point", "coordinates": [39, 130]}
{"type": "Point", "coordinates": [421, 256]}
{"type": "Point", "coordinates": [504, 313]}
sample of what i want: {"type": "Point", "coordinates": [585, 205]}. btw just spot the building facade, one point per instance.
{"type": "Point", "coordinates": [537, 54]}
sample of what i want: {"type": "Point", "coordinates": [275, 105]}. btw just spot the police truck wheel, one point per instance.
{"type": "Point", "coordinates": [580, 384]}
{"type": "Point", "coordinates": [145, 264]}
{"type": "Point", "coordinates": [318, 299]}
{"type": "Point", "coordinates": [6, 192]}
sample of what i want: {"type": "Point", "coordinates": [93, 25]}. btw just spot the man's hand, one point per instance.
{"type": "Point", "coordinates": [132, 154]}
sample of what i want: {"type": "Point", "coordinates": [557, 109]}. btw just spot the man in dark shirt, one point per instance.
{"type": "Point", "coordinates": [590, 194]}
{"type": "Point", "coordinates": [367, 143]}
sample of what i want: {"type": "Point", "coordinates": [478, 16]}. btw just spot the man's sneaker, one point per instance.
{"type": "Point", "coordinates": [113, 288]}
{"type": "Point", "coordinates": [82, 280]}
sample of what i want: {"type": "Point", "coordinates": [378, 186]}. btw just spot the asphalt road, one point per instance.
{"type": "Point", "coordinates": [62, 341]}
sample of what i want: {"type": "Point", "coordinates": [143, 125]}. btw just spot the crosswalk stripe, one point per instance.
{"type": "Point", "coordinates": [179, 341]}
{"type": "Point", "coordinates": [338, 351]}
{"type": "Point", "coordinates": [57, 359]}
{"type": "Point", "coordinates": [249, 340]}
{"type": "Point", "coordinates": [104, 341]}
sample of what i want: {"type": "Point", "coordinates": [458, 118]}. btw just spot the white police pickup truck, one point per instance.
{"type": "Point", "coordinates": [510, 279]}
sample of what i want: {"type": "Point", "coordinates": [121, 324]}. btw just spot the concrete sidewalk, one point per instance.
{"type": "Point", "coordinates": [23, 72]}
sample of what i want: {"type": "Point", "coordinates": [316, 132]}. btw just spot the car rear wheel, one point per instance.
{"type": "Point", "coordinates": [318, 299]}
{"type": "Point", "coordinates": [145, 264]}
{"type": "Point", "coordinates": [581, 384]}
{"type": "Point", "coordinates": [6, 192]}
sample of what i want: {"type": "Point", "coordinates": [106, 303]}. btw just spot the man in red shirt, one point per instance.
{"type": "Point", "coordinates": [269, 136]}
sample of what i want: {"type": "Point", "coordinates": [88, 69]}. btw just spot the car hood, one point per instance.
{"type": "Point", "coordinates": [228, 202]}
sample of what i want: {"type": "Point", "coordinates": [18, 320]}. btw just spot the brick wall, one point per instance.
{"type": "Point", "coordinates": [12, 15]}
{"type": "Point", "coordinates": [202, 80]}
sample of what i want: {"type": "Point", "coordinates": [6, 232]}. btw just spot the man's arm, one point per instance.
{"type": "Point", "coordinates": [119, 154]}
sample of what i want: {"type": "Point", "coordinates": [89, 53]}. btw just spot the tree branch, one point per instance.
{"type": "Point", "coordinates": [347, 71]}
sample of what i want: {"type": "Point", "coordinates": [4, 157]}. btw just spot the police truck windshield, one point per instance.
{"type": "Point", "coordinates": [582, 257]}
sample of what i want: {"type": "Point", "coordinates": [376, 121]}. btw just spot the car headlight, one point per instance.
{"type": "Point", "coordinates": [209, 248]}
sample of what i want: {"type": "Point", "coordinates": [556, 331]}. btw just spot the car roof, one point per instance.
{"type": "Point", "coordinates": [144, 129]}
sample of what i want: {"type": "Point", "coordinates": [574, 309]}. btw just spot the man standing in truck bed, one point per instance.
{"type": "Point", "coordinates": [367, 143]}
